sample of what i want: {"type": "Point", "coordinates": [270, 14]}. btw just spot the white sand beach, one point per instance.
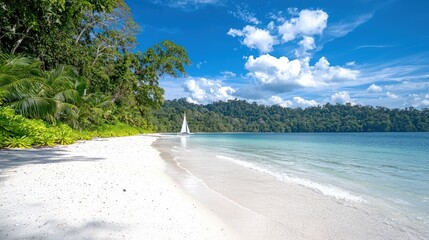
{"type": "Point", "coordinates": [124, 188]}
{"type": "Point", "coordinates": [113, 188]}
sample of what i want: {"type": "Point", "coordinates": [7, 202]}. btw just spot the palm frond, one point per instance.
{"type": "Point", "coordinates": [21, 67]}
{"type": "Point", "coordinates": [68, 96]}
{"type": "Point", "coordinates": [62, 78]}
{"type": "Point", "coordinates": [23, 88]}
{"type": "Point", "coordinates": [35, 107]}
{"type": "Point", "coordinates": [80, 85]}
{"type": "Point", "coordinates": [68, 113]}
{"type": "Point", "coordinates": [99, 100]}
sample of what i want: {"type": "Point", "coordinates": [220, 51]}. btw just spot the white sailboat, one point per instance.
{"type": "Point", "coordinates": [185, 128]}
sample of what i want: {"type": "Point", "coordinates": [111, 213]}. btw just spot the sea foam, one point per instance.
{"type": "Point", "coordinates": [326, 190]}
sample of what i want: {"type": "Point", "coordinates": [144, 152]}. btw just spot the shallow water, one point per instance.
{"type": "Point", "coordinates": [389, 171]}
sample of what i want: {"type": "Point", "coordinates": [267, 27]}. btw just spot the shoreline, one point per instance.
{"type": "Point", "coordinates": [114, 188]}
{"type": "Point", "coordinates": [245, 223]}
{"type": "Point", "coordinates": [289, 210]}
{"type": "Point", "coordinates": [129, 187]}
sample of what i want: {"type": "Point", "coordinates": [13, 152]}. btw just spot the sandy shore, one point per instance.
{"type": "Point", "coordinates": [102, 189]}
{"type": "Point", "coordinates": [259, 206]}
{"type": "Point", "coordinates": [121, 188]}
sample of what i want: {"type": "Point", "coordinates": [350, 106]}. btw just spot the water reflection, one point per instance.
{"type": "Point", "coordinates": [183, 141]}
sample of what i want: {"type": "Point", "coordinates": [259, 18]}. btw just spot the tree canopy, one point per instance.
{"type": "Point", "coordinates": [74, 61]}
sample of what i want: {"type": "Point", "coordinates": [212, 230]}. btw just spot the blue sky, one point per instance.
{"type": "Point", "coordinates": [295, 53]}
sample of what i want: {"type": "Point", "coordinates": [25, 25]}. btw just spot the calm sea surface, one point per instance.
{"type": "Point", "coordinates": [389, 169]}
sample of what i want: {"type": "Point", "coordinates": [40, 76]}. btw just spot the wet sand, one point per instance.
{"type": "Point", "coordinates": [251, 201]}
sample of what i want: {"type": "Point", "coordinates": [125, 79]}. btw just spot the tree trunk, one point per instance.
{"type": "Point", "coordinates": [16, 45]}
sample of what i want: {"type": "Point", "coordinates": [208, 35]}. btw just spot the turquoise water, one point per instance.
{"type": "Point", "coordinates": [391, 169]}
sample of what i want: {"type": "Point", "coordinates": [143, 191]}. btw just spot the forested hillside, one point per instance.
{"type": "Point", "coordinates": [241, 116]}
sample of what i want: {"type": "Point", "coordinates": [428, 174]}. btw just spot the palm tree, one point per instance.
{"type": "Point", "coordinates": [66, 88]}
{"type": "Point", "coordinates": [95, 109]}
{"type": "Point", "coordinates": [51, 96]}
{"type": "Point", "coordinates": [24, 85]}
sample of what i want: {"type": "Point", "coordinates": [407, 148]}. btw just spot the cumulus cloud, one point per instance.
{"type": "Point", "coordinates": [324, 71]}
{"type": "Point", "coordinates": [305, 45]}
{"type": "Point", "coordinates": [203, 90]}
{"type": "Point", "coordinates": [255, 38]}
{"type": "Point", "coordinates": [301, 102]}
{"type": "Point", "coordinates": [282, 74]}
{"type": "Point", "coordinates": [374, 89]}
{"type": "Point", "coordinates": [308, 23]}
{"type": "Point", "coordinates": [276, 100]}
{"type": "Point", "coordinates": [391, 95]}
{"type": "Point", "coordinates": [341, 97]}
{"type": "Point", "coordinates": [425, 103]}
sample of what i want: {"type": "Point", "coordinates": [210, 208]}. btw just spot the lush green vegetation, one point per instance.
{"type": "Point", "coordinates": [20, 132]}
{"type": "Point", "coordinates": [241, 116]}
{"type": "Point", "coordinates": [69, 67]}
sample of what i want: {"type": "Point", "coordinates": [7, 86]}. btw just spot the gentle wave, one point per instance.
{"type": "Point", "coordinates": [323, 189]}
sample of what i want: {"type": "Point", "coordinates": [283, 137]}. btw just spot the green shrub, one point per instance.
{"type": "Point", "coordinates": [18, 142]}
{"type": "Point", "coordinates": [2, 141]}
{"type": "Point", "coordinates": [85, 135]}
{"type": "Point", "coordinates": [17, 131]}
{"type": "Point", "coordinates": [65, 135]}
{"type": "Point", "coordinates": [117, 130]}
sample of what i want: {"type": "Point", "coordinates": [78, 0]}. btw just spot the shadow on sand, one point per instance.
{"type": "Point", "coordinates": [12, 158]}
{"type": "Point", "coordinates": [53, 229]}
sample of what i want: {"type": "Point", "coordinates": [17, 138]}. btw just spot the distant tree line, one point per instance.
{"type": "Point", "coordinates": [242, 116]}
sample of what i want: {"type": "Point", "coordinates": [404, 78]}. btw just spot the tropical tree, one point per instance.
{"type": "Point", "coordinates": [51, 96]}
{"type": "Point", "coordinates": [24, 87]}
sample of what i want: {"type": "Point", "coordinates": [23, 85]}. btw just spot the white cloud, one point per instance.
{"type": "Point", "coordinates": [255, 38]}
{"type": "Point", "coordinates": [228, 74]}
{"type": "Point", "coordinates": [271, 26]}
{"type": "Point", "coordinates": [374, 89]}
{"type": "Point", "coordinates": [186, 4]}
{"type": "Point", "coordinates": [425, 103]}
{"type": "Point", "coordinates": [308, 23]}
{"type": "Point", "coordinates": [276, 100]}
{"type": "Point", "coordinates": [244, 14]}
{"type": "Point", "coordinates": [391, 95]}
{"type": "Point", "coordinates": [203, 90]}
{"type": "Point", "coordinates": [282, 74]}
{"type": "Point", "coordinates": [325, 72]}
{"type": "Point", "coordinates": [199, 64]}
{"type": "Point", "coordinates": [277, 16]}
{"type": "Point", "coordinates": [352, 63]}
{"type": "Point", "coordinates": [304, 103]}
{"type": "Point", "coordinates": [269, 70]}
{"type": "Point", "coordinates": [343, 28]}
{"type": "Point", "coordinates": [305, 45]}
{"type": "Point", "coordinates": [341, 97]}
{"type": "Point", "coordinates": [190, 100]}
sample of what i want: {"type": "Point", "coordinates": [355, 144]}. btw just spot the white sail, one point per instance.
{"type": "Point", "coordinates": [185, 128]}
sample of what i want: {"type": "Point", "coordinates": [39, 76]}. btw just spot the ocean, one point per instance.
{"type": "Point", "coordinates": [387, 171]}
